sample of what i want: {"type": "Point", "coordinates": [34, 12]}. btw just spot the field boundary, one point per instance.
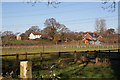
{"type": "Point", "coordinates": [87, 51]}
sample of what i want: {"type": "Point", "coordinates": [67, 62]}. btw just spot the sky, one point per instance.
{"type": "Point", "coordinates": [77, 16]}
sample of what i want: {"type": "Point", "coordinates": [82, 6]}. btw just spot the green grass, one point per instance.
{"type": "Point", "coordinates": [51, 49]}
{"type": "Point", "coordinates": [66, 69]}
{"type": "Point", "coordinates": [78, 71]}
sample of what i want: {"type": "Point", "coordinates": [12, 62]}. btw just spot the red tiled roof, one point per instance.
{"type": "Point", "coordinates": [36, 33]}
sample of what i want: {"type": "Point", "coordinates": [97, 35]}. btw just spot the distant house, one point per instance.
{"type": "Point", "coordinates": [91, 38]}
{"type": "Point", "coordinates": [18, 36]}
{"type": "Point", "coordinates": [34, 35]}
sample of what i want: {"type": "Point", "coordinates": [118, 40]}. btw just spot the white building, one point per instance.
{"type": "Point", "coordinates": [34, 35]}
{"type": "Point", "coordinates": [18, 37]}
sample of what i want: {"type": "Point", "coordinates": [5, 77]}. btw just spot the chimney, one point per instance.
{"type": "Point", "coordinates": [81, 34]}
{"type": "Point", "coordinates": [93, 33]}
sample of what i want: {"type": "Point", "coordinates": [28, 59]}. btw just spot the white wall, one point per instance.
{"type": "Point", "coordinates": [32, 36]}
{"type": "Point", "coordinates": [18, 37]}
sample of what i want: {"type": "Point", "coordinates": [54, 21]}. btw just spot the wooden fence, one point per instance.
{"type": "Point", "coordinates": [96, 55]}
{"type": "Point", "coordinates": [82, 53]}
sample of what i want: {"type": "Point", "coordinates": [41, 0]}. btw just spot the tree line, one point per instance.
{"type": "Point", "coordinates": [57, 32]}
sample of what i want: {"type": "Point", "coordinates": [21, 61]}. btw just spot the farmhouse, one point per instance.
{"type": "Point", "coordinates": [18, 36]}
{"type": "Point", "coordinates": [34, 35]}
{"type": "Point", "coordinates": [91, 38]}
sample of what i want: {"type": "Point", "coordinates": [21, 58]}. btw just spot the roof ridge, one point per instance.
{"type": "Point", "coordinates": [36, 33]}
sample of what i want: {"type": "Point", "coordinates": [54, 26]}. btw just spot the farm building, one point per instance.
{"type": "Point", "coordinates": [91, 38]}
{"type": "Point", "coordinates": [18, 36]}
{"type": "Point", "coordinates": [34, 35]}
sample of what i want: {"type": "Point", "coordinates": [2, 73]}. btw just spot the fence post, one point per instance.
{"type": "Point", "coordinates": [87, 54]}
{"type": "Point", "coordinates": [43, 48]}
{"type": "Point", "coordinates": [17, 57]}
{"type": "Point", "coordinates": [99, 51]}
{"type": "Point", "coordinates": [109, 54]}
{"type": "Point", "coordinates": [59, 54]}
{"type": "Point", "coordinates": [26, 69]}
{"type": "Point", "coordinates": [41, 58]}
{"type": "Point", "coordinates": [118, 50]}
{"type": "Point", "coordinates": [75, 56]}
{"type": "Point", "coordinates": [97, 60]}
{"type": "Point", "coordinates": [96, 53]}
{"type": "Point", "coordinates": [16, 64]}
{"type": "Point", "coordinates": [26, 55]}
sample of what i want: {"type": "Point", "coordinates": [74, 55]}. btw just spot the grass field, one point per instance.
{"type": "Point", "coordinates": [20, 50]}
{"type": "Point", "coordinates": [66, 69]}
{"type": "Point", "coordinates": [77, 71]}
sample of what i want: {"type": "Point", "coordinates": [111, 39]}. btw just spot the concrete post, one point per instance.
{"type": "Point", "coordinates": [26, 69]}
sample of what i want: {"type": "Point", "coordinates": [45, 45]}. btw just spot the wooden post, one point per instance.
{"type": "Point", "coordinates": [59, 54]}
{"type": "Point", "coordinates": [75, 56]}
{"type": "Point", "coordinates": [118, 50]}
{"type": "Point", "coordinates": [97, 60]}
{"type": "Point", "coordinates": [43, 48]}
{"type": "Point", "coordinates": [96, 53]}
{"type": "Point", "coordinates": [25, 69]}
{"type": "Point", "coordinates": [59, 61]}
{"type": "Point", "coordinates": [94, 50]}
{"type": "Point", "coordinates": [87, 54]}
{"type": "Point", "coordinates": [17, 57]}
{"type": "Point", "coordinates": [26, 56]}
{"type": "Point", "coordinates": [41, 58]}
{"type": "Point", "coordinates": [99, 51]}
{"type": "Point", "coordinates": [16, 64]}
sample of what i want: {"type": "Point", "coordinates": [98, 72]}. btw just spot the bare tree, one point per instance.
{"type": "Point", "coordinates": [100, 26]}
{"type": "Point", "coordinates": [8, 35]}
{"type": "Point", "coordinates": [52, 3]}
{"type": "Point", "coordinates": [52, 27]}
{"type": "Point", "coordinates": [97, 26]}
{"type": "Point", "coordinates": [33, 29]}
{"type": "Point", "coordinates": [24, 36]}
{"type": "Point", "coordinates": [63, 29]}
{"type": "Point", "coordinates": [109, 5]}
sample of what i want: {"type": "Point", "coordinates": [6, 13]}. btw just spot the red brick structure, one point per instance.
{"type": "Point", "coordinates": [91, 38]}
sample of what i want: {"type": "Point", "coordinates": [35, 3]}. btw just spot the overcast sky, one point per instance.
{"type": "Point", "coordinates": [77, 16]}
